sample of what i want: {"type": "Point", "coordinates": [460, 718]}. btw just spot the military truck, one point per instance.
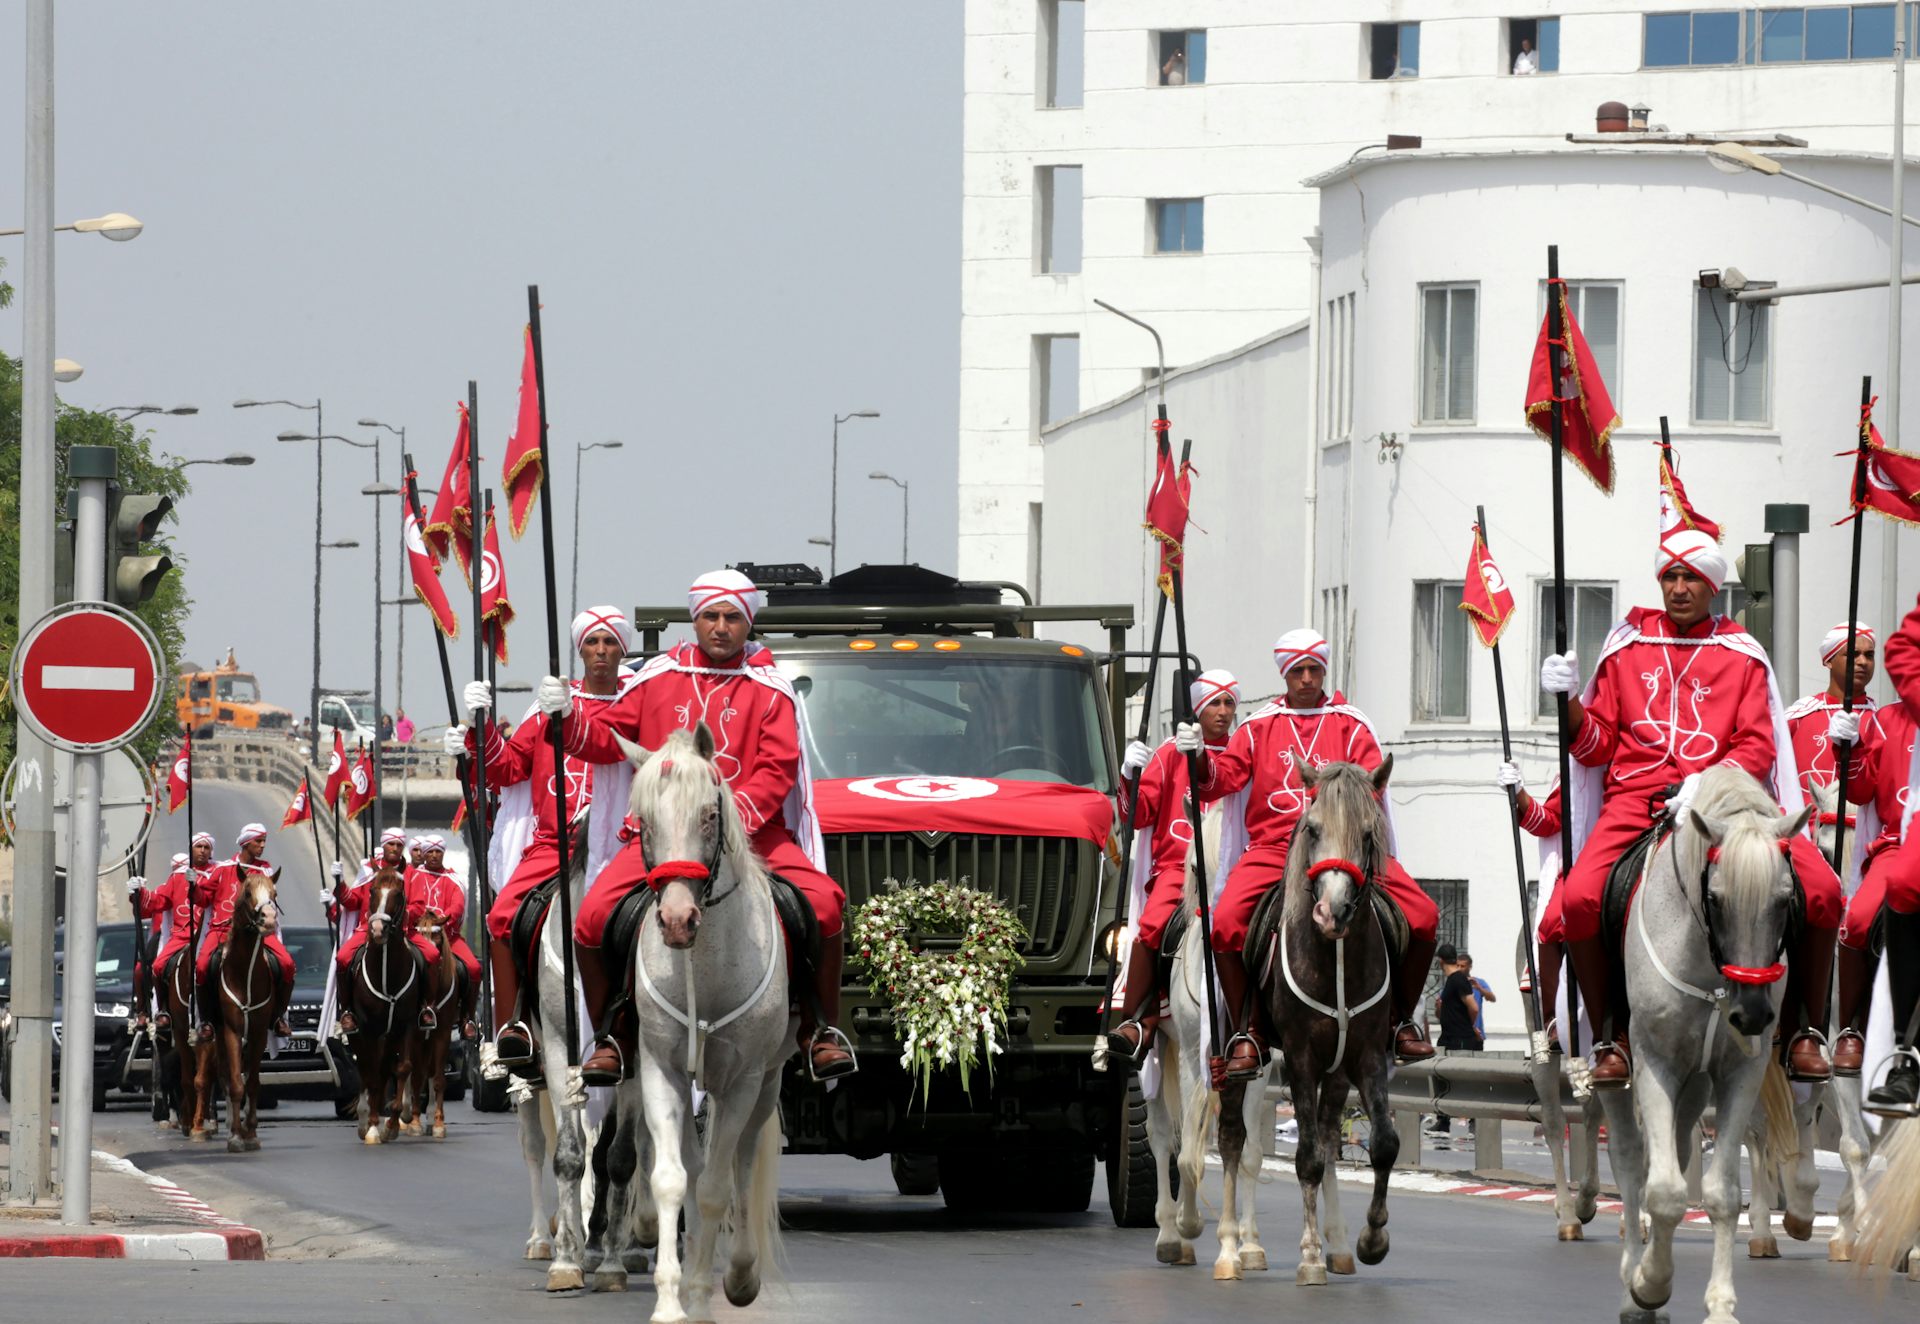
{"type": "Point", "coordinates": [226, 697]}
{"type": "Point", "coordinates": [920, 690]}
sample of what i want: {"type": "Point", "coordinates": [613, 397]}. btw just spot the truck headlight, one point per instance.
{"type": "Point", "coordinates": [1110, 941]}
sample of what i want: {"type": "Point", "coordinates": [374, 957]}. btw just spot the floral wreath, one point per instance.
{"type": "Point", "coordinates": [944, 1004]}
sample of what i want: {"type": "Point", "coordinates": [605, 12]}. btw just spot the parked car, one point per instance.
{"type": "Point", "coordinates": [113, 1039]}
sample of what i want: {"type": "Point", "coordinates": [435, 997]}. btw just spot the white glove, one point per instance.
{"type": "Point", "coordinates": [1509, 775]}
{"type": "Point", "coordinates": [455, 741]}
{"type": "Point", "coordinates": [139, 884]}
{"type": "Point", "coordinates": [573, 1094]}
{"type": "Point", "coordinates": [490, 1068]}
{"type": "Point", "coordinates": [477, 694]}
{"type": "Point", "coordinates": [333, 871]}
{"type": "Point", "coordinates": [1681, 800]}
{"type": "Point", "coordinates": [1136, 759]}
{"type": "Point", "coordinates": [1843, 726]}
{"type": "Point", "coordinates": [555, 696]}
{"type": "Point", "coordinates": [326, 897]}
{"type": "Point", "coordinates": [1560, 673]}
{"type": "Point", "coordinates": [1186, 737]}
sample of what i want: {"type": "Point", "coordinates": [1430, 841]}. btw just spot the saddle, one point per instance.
{"type": "Point", "coordinates": [523, 935]}
{"type": "Point", "coordinates": [1263, 932]}
{"type": "Point", "coordinates": [797, 921]}
{"type": "Point", "coordinates": [1170, 941]}
{"type": "Point", "coordinates": [1623, 880]}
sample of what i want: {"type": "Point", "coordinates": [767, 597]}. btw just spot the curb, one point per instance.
{"type": "Point", "coordinates": [228, 1239]}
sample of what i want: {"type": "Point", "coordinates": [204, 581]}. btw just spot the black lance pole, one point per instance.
{"type": "Point", "coordinates": [194, 914]}
{"type": "Point", "coordinates": [554, 729]}
{"type": "Point", "coordinates": [1844, 755]}
{"type": "Point", "coordinates": [1513, 810]}
{"type": "Point", "coordinates": [477, 833]}
{"type": "Point", "coordinates": [313, 821]}
{"type": "Point", "coordinates": [1556, 368]}
{"type": "Point", "coordinates": [1127, 833]}
{"type": "Point", "coordinates": [476, 854]}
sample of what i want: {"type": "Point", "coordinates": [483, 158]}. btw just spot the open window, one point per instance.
{"type": "Point", "coordinates": [1057, 222]}
{"type": "Point", "coordinates": [1062, 51]}
{"type": "Point", "coordinates": [1181, 57]}
{"type": "Point", "coordinates": [1393, 50]}
{"type": "Point", "coordinates": [1533, 46]}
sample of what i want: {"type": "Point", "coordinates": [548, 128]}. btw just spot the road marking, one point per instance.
{"type": "Point", "coordinates": [87, 678]}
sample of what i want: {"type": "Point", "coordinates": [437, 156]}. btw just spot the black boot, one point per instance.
{"type": "Point", "coordinates": [1901, 1091]}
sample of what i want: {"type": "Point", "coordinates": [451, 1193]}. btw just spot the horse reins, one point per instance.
{"type": "Point", "coordinates": [247, 1006]}
{"type": "Point", "coordinates": [691, 871]}
{"type": "Point", "coordinates": [1341, 1013]}
{"type": "Point", "coordinates": [392, 1001]}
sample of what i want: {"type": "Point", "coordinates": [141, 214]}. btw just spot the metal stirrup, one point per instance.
{"type": "Point", "coordinates": [831, 1034]}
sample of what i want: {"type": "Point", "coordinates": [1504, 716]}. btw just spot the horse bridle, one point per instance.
{"type": "Point", "coordinates": [692, 872]}
{"type": "Point", "coordinates": [1703, 913]}
{"type": "Point", "coordinates": [392, 1000]}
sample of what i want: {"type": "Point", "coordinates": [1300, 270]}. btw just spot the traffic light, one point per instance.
{"type": "Point", "coordinates": [1755, 568]}
{"type": "Point", "coordinates": [133, 518]}
{"type": "Point", "coordinates": [63, 554]}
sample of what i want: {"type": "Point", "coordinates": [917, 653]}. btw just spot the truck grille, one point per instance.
{"type": "Point", "coordinates": [1048, 882]}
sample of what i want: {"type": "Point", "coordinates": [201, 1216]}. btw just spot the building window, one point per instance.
{"type": "Point", "coordinates": [1056, 192]}
{"type": "Point", "coordinates": [1338, 629]}
{"type": "Point", "coordinates": [1533, 45]}
{"type": "Point", "coordinates": [1062, 52]}
{"type": "Point", "coordinates": [1181, 57]}
{"type": "Point", "coordinates": [1589, 611]}
{"type": "Point", "coordinates": [1731, 600]}
{"type": "Point", "coordinates": [1036, 528]}
{"type": "Point", "coordinates": [1393, 50]}
{"type": "Point", "coordinates": [1797, 35]}
{"type": "Point", "coordinates": [1336, 369]}
{"type": "Point", "coordinates": [1179, 225]}
{"type": "Point", "coordinates": [1449, 361]}
{"type": "Point", "coordinates": [1732, 350]}
{"type": "Point", "coordinates": [1596, 306]}
{"type": "Point", "coordinates": [1709, 37]}
{"type": "Point", "coordinates": [1056, 380]}
{"type": "Point", "coordinates": [1440, 654]}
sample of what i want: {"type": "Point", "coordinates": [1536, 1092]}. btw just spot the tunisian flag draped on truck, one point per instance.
{"type": "Point", "coordinates": [962, 804]}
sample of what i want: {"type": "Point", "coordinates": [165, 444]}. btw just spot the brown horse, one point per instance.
{"type": "Point", "coordinates": [444, 980]}
{"type": "Point", "coordinates": [253, 993]}
{"type": "Point", "coordinates": [384, 991]}
{"type": "Point", "coordinates": [196, 1118]}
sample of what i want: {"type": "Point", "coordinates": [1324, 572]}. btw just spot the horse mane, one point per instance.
{"type": "Point", "coordinates": [1747, 818]}
{"type": "Point", "coordinates": [1345, 804]}
{"type": "Point", "coordinates": [682, 780]}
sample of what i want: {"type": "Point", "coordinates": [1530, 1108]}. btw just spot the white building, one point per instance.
{"type": "Point", "coordinates": [1090, 173]}
{"type": "Point", "coordinates": [1347, 497]}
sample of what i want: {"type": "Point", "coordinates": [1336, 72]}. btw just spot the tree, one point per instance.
{"type": "Point", "coordinates": [140, 471]}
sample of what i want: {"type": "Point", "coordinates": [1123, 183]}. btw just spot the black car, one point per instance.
{"type": "Point", "coordinates": [313, 1066]}
{"type": "Point", "coordinates": [113, 1038]}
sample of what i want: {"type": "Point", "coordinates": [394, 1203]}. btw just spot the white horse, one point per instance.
{"type": "Point", "coordinates": [1181, 1114]}
{"type": "Point", "coordinates": [1711, 914]}
{"type": "Point", "coordinates": [711, 1003]}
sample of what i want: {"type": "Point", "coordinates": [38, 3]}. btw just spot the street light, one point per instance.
{"type": "Point", "coordinates": [134, 411]}
{"type": "Point", "coordinates": [239, 459]}
{"type": "Point", "coordinates": [900, 483]}
{"type": "Point", "coordinates": [341, 543]}
{"type": "Point", "coordinates": [579, 455]}
{"type": "Point", "coordinates": [833, 503]}
{"type": "Point", "coordinates": [115, 225]}
{"type": "Point", "coordinates": [1736, 158]}
{"type": "Point", "coordinates": [379, 492]}
{"type": "Point", "coordinates": [66, 370]}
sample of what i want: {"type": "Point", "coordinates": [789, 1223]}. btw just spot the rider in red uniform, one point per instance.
{"type": "Point", "coordinates": [602, 636]}
{"type": "Point", "coordinates": [170, 904]}
{"type": "Point", "coordinates": [216, 893]}
{"type": "Point", "coordinates": [1161, 813]}
{"type": "Point", "coordinates": [1542, 819]}
{"type": "Point", "coordinates": [354, 899]}
{"type": "Point", "coordinates": [1900, 873]}
{"type": "Point", "coordinates": [1677, 691]}
{"type": "Point", "coordinates": [431, 887]}
{"type": "Point", "coordinates": [729, 684]}
{"type": "Point", "coordinates": [1320, 729]}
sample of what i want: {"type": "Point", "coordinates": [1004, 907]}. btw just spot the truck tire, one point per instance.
{"type": "Point", "coordinates": [1131, 1188]}
{"type": "Point", "coordinates": [916, 1174]}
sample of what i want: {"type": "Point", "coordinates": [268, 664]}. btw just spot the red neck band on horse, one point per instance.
{"type": "Point", "coordinates": [1713, 852]}
{"type": "Point", "coordinates": [675, 871]}
{"type": "Point", "coordinates": [1743, 974]}
{"type": "Point", "coordinates": [1333, 864]}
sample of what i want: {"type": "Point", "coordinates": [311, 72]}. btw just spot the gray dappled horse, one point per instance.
{"type": "Point", "coordinates": [1703, 945]}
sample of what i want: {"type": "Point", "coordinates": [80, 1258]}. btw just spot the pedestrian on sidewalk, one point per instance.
{"type": "Point", "coordinates": [1459, 1004]}
{"type": "Point", "coordinates": [1483, 993]}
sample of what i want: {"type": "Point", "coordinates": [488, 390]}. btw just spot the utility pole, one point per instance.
{"type": "Point", "coordinates": [1890, 612]}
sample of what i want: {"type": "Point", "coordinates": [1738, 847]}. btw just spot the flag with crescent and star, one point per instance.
{"type": "Point", "coordinates": [180, 776]}
{"type": "Point", "coordinates": [1167, 505]}
{"type": "Point", "coordinates": [1486, 597]}
{"type": "Point", "coordinates": [426, 577]}
{"type": "Point", "coordinates": [336, 769]}
{"type": "Point", "coordinates": [450, 525]}
{"type": "Point", "coordinates": [1893, 476]}
{"type": "Point", "coordinates": [496, 612]}
{"type": "Point", "coordinates": [302, 807]}
{"type": "Point", "coordinates": [1677, 512]}
{"type": "Point", "coordinates": [520, 473]}
{"type": "Point", "coordinates": [360, 785]}
{"type": "Point", "coordinates": [1587, 414]}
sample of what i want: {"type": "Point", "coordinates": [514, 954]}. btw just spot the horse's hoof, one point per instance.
{"type": "Point", "coordinates": [1226, 1270]}
{"type": "Point", "coordinates": [1254, 1258]}
{"type": "Point", "coordinates": [198, 1137]}
{"type": "Point", "coordinates": [1571, 1232]}
{"type": "Point", "coordinates": [1168, 1252]}
{"type": "Point", "coordinates": [235, 1145]}
{"type": "Point", "coordinates": [440, 1131]}
{"type": "Point", "coordinates": [1644, 1317]}
{"type": "Point", "coordinates": [372, 1137]}
{"type": "Point", "coordinates": [253, 1144]}
{"type": "Point", "coordinates": [1339, 1262]}
{"type": "Point", "coordinates": [539, 1250]}
{"type": "Point", "coordinates": [610, 1280]}
{"type": "Point", "coordinates": [1839, 1252]}
{"type": "Point", "coordinates": [1372, 1246]}
{"type": "Point", "coordinates": [1186, 1256]}
{"type": "Point", "coordinates": [1800, 1229]}
{"type": "Point", "coordinates": [744, 1292]}
{"type": "Point", "coordinates": [1307, 1275]}
{"type": "Point", "coordinates": [569, 1279]}
{"type": "Point", "coordinates": [1648, 1301]}
{"type": "Point", "coordinates": [1763, 1248]}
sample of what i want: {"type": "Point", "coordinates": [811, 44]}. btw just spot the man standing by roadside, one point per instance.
{"type": "Point", "coordinates": [1459, 1005]}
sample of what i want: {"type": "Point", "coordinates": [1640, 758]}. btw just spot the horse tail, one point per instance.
{"type": "Point", "coordinates": [1890, 1215]}
{"type": "Point", "coordinates": [1780, 1142]}
{"type": "Point", "coordinates": [762, 1214]}
{"type": "Point", "coordinates": [1196, 1118]}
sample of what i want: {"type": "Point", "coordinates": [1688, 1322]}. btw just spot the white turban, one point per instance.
{"type": "Point", "coordinates": [1210, 685]}
{"type": "Point", "coordinates": [611, 619]}
{"type": "Point", "coordinates": [433, 841]}
{"type": "Point", "coordinates": [393, 834]}
{"type": "Point", "coordinates": [251, 832]}
{"type": "Point", "coordinates": [199, 837]}
{"type": "Point", "coordinates": [1697, 552]}
{"type": "Point", "coordinates": [1837, 637]}
{"type": "Point", "coordinates": [728, 586]}
{"type": "Point", "coordinates": [179, 859]}
{"type": "Point", "coordinates": [1303, 645]}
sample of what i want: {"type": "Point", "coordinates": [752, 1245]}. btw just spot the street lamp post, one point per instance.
{"type": "Point", "coordinates": [400, 684]}
{"type": "Point", "coordinates": [379, 492]}
{"type": "Point", "coordinates": [124, 412]}
{"type": "Point", "coordinates": [115, 225]}
{"type": "Point", "coordinates": [833, 501]}
{"type": "Point", "coordinates": [580, 452]}
{"type": "Point", "coordinates": [900, 483]}
{"type": "Point", "coordinates": [239, 460]}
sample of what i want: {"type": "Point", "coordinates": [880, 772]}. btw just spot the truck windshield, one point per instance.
{"type": "Point", "coordinates": [113, 952]}
{"type": "Point", "coordinates": [886, 714]}
{"type": "Point", "coordinates": [240, 689]}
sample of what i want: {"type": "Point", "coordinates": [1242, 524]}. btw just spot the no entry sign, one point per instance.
{"type": "Point", "coordinates": [87, 676]}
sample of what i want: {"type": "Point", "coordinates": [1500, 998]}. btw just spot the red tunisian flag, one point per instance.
{"type": "Point", "coordinates": [180, 776]}
{"type": "Point", "coordinates": [302, 807]}
{"type": "Point", "coordinates": [520, 475]}
{"type": "Point", "coordinates": [1486, 597]}
{"type": "Point", "coordinates": [1676, 511]}
{"type": "Point", "coordinates": [1588, 417]}
{"type": "Point", "coordinates": [1167, 505]}
{"type": "Point", "coordinates": [360, 785]}
{"type": "Point", "coordinates": [450, 525]}
{"type": "Point", "coordinates": [496, 613]}
{"type": "Point", "coordinates": [426, 577]}
{"type": "Point", "coordinates": [1893, 476]}
{"type": "Point", "coordinates": [336, 769]}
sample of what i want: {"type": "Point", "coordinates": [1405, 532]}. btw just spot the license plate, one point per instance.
{"type": "Point", "coordinates": [303, 1043]}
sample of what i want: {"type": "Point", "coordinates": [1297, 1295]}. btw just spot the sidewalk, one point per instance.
{"type": "Point", "coordinates": [136, 1216]}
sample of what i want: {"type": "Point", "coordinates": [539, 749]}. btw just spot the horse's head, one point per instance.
{"type": "Point", "coordinates": [687, 824]}
{"type": "Point", "coordinates": [1341, 842]}
{"type": "Point", "coordinates": [431, 925]}
{"type": "Point", "coordinates": [1747, 887]}
{"type": "Point", "coordinates": [1828, 822]}
{"type": "Point", "coordinates": [255, 908]}
{"type": "Point", "coordinates": [386, 904]}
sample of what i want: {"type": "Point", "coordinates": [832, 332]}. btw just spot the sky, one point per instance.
{"type": "Point", "coordinates": [743, 220]}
